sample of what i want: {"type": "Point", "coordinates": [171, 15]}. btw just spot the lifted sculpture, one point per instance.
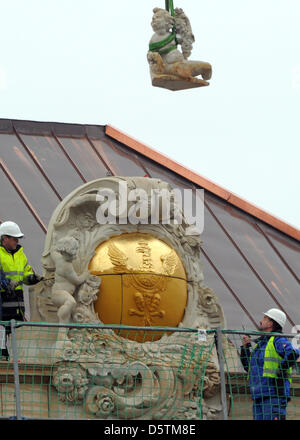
{"type": "Point", "coordinates": [170, 67]}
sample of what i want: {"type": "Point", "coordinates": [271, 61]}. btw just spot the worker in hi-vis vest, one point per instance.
{"type": "Point", "coordinates": [14, 271]}
{"type": "Point", "coordinates": [269, 366]}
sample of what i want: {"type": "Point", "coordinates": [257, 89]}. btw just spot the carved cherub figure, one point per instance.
{"type": "Point", "coordinates": [66, 279]}
{"type": "Point", "coordinates": [167, 63]}
{"type": "Point", "coordinates": [85, 220]}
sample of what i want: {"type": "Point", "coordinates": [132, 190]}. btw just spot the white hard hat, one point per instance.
{"type": "Point", "coordinates": [277, 316]}
{"type": "Point", "coordinates": [10, 228]}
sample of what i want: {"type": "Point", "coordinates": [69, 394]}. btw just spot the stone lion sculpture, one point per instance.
{"type": "Point", "coordinates": [170, 67]}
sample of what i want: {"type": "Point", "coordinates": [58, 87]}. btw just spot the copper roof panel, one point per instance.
{"type": "Point", "coordinates": [236, 314]}
{"type": "Point", "coordinates": [208, 185]}
{"type": "Point", "coordinates": [86, 159]}
{"type": "Point", "coordinates": [261, 257]}
{"type": "Point", "coordinates": [250, 265]}
{"type": "Point", "coordinates": [263, 263]}
{"type": "Point", "coordinates": [155, 170]}
{"type": "Point", "coordinates": [54, 163]}
{"type": "Point", "coordinates": [233, 268]}
{"type": "Point", "coordinates": [117, 159]}
{"type": "Point", "coordinates": [287, 249]}
{"type": "Point", "coordinates": [13, 207]}
{"type": "Point", "coordinates": [27, 176]}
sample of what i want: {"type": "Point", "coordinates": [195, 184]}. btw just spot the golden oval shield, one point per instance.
{"type": "Point", "coordinates": [143, 284]}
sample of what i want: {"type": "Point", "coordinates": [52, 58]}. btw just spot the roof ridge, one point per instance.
{"type": "Point", "coordinates": [205, 183]}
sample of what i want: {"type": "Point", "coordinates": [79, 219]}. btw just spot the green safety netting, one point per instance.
{"type": "Point", "coordinates": [125, 373]}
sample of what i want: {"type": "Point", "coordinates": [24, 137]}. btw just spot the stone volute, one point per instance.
{"type": "Point", "coordinates": [130, 273]}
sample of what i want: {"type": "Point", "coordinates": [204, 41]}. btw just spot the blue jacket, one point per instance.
{"type": "Point", "coordinates": [268, 386]}
{"type": "Point", "coordinates": [4, 282]}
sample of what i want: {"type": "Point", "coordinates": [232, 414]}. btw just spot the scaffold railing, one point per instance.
{"type": "Point", "coordinates": [127, 373]}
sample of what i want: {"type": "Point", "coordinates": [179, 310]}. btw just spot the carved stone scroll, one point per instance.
{"type": "Point", "coordinates": [106, 372]}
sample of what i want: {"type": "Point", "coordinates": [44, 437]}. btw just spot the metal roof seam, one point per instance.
{"type": "Point", "coordinates": [247, 261]}
{"type": "Point", "coordinates": [22, 195]}
{"type": "Point", "coordinates": [278, 253]}
{"type": "Point", "coordinates": [243, 254]}
{"type": "Point", "coordinates": [201, 181]}
{"type": "Point", "coordinates": [165, 161]}
{"type": "Point", "coordinates": [68, 157]}
{"type": "Point", "coordinates": [99, 155]}
{"type": "Point", "coordinates": [229, 287]}
{"type": "Point", "coordinates": [36, 162]}
{"type": "Point", "coordinates": [136, 159]}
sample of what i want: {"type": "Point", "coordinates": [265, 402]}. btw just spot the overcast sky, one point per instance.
{"type": "Point", "coordinates": [85, 62]}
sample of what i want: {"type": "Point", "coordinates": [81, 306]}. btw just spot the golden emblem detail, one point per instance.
{"type": "Point", "coordinates": [148, 285]}
{"type": "Point", "coordinates": [143, 283]}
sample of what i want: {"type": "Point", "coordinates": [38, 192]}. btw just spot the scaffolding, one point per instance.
{"type": "Point", "coordinates": [35, 385]}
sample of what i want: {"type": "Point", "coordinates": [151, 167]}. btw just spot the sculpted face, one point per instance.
{"type": "Point", "coordinates": [160, 23]}
{"type": "Point", "coordinates": [68, 247]}
{"type": "Point", "coordinates": [85, 220]}
{"type": "Point", "coordinates": [69, 254]}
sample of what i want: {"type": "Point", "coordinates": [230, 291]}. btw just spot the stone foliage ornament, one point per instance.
{"type": "Point", "coordinates": [108, 374]}
{"type": "Point", "coordinates": [170, 67]}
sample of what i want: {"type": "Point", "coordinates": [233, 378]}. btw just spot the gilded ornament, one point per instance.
{"type": "Point", "coordinates": [152, 287]}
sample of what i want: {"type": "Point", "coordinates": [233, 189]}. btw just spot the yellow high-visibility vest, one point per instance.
{"type": "Point", "coordinates": [15, 266]}
{"type": "Point", "coordinates": [272, 360]}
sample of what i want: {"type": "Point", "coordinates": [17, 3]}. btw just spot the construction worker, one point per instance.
{"type": "Point", "coordinates": [269, 366]}
{"type": "Point", "coordinates": [15, 271]}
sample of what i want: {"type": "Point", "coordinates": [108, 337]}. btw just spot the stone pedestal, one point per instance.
{"type": "Point", "coordinates": [174, 83]}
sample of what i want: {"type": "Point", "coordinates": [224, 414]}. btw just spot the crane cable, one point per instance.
{"type": "Point", "coordinates": [170, 7]}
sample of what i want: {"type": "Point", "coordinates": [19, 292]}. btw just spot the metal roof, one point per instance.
{"type": "Point", "coordinates": [250, 258]}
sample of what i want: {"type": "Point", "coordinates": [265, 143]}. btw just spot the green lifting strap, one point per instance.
{"type": "Point", "coordinates": [170, 7]}
{"type": "Point", "coordinates": [159, 45]}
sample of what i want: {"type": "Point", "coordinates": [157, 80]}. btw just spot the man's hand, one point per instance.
{"type": "Point", "coordinates": [38, 278]}
{"type": "Point", "coordinates": [282, 374]}
{"type": "Point", "coordinates": [33, 278]}
{"type": "Point", "coordinates": [246, 341]}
